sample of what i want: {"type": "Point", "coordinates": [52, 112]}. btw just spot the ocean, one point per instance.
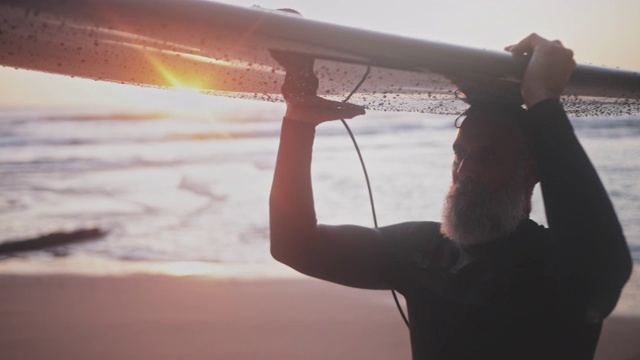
{"type": "Point", "coordinates": [189, 188]}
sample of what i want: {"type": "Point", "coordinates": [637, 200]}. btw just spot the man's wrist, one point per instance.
{"type": "Point", "coordinates": [298, 124]}
{"type": "Point", "coordinates": [548, 115]}
{"type": "Point", "coordinates": [543, 103]}
{"type": "Point", "coordinates": [533, 98]}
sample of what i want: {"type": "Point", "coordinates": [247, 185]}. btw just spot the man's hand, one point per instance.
{"type": "Point", "coordinates": [300, 92]}
{"type": "Point", "coordinates": [316, 110]}
{"type": "Point", "coordinates": [549, 68]}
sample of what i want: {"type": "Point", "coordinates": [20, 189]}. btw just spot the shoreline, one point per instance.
{"type": "Point", "coordinates": [240, 314]}
{"type": "Point", "coordinates": [102, 266]}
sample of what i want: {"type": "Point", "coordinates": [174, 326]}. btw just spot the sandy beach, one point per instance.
{"type": "Point", "coordinates": [196, 317]}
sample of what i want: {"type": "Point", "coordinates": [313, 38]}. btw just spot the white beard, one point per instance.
{"type": "Point", "coordinates": [472, 216]}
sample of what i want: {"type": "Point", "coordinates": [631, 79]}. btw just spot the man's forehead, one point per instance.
{"type": "Point", "coordinates": [489, 118]}
{"type": "Point", "coordinates": [488, 130]}
{"type": "Point", "coordinates": [495, 113]}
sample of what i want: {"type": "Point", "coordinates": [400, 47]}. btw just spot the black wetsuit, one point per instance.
{"type": "Point", "coordinates": [498, 300]}
{"type": "Point", "coordinates": [537, 294]}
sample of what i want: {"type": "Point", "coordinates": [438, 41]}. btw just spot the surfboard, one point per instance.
{"type": "Point", "coordinates": [227, 50]}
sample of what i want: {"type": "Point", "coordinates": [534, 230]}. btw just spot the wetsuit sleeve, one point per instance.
{"type": "Point", "coordinates": [590, 245]}
{"type": "Point", "coordinates": [349, 255]}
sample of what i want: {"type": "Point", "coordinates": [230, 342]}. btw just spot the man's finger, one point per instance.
{"type": "Point", "coordinates": [526, 45]}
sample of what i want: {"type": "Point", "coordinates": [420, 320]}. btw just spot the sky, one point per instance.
{"type": "Point", "coordinates": [601, 32]}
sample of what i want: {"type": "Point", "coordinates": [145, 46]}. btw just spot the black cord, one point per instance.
{"type": "Point", "coordinates": [366, 176]}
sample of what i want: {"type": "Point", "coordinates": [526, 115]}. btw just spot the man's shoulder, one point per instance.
{"type": "Point", "coordinates": [424, 230]}
{"type": "Point", "coordinates": [532, 234]}
{"type": "Point", "coordinates": [414, 236]}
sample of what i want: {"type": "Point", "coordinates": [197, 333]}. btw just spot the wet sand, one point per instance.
{"type": "Point", "coordinates": [168, 317]}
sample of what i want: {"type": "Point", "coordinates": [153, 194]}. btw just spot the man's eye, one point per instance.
{"type": "Point", "coordinates": [487, 157]}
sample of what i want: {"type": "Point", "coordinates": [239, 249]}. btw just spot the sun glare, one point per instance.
{"type": "Point", "coordinates": [187, 268]}
{"type": "Point", "coordinates": [185, 96]}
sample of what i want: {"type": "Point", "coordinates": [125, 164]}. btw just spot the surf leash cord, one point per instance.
{"type": "Point", "coordinates": [366, 177]}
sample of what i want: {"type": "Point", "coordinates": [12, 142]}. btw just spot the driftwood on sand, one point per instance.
{"type": "Point", "coordinates": [51, 240]}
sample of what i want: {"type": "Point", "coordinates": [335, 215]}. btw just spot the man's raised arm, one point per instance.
{"type": "Point", "coordinates": [582, 221]}
{"type": "Point", "coordinates": [350, 255]}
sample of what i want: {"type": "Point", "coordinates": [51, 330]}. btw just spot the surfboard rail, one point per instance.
{"type": "Point", "coordinates": [225, 50]}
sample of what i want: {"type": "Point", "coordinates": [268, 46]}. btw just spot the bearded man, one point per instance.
{"type": "Point", "coordinates": [487, 282]}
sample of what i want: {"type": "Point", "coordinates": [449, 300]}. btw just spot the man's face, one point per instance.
{"type": "Point", "coordinates": [490, 191]}
{"type": "Point", "coordinates": [485, 153]}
